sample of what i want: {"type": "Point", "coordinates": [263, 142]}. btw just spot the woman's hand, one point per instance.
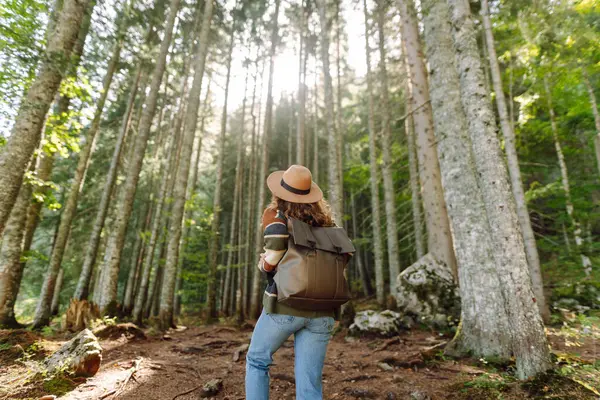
{"type": "Point", "coordinates": [261, 262]}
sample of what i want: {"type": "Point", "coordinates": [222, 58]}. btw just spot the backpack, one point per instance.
{"type": "Point", "coordinates": [311, 274]}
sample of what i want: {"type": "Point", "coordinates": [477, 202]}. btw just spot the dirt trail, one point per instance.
{"type": "Point", "coordinates": [194, 356]}
{"type": "Point", "coordinates": [188, 358]}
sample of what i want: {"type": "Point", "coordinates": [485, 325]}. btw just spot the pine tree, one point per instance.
{"type": "Point", "coordinates": [374, 180]}
{"type": "Point", "coordinates": [436, 218]}
{"type": "Point", "coordinates": [533, 258]}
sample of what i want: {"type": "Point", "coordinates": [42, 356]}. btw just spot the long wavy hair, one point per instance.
{"type": "Point", "coordinates": [315, 214]}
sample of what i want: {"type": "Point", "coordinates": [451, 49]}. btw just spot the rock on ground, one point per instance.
{"type": "Point", "coordinates": [384, 323]}
{"type": "Point", "coordinates": [426, 291]}
{"type": "Point", "coordinates": [211, 388]}
{"type": "Point", "coordinates": [81, 355]}
{"type": "Point", "coordinates": [579, 297]}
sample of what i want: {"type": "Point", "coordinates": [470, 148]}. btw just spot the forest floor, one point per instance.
{"type": "Point", "coordinates": [405, 367]}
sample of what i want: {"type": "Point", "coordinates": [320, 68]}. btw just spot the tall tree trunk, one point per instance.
{"type": "Point", "coordinates": [56, 292]}
{"type": "Point", "coordinates": [482, 298]}
{"type": "Point", "coordinates": [11, 250]}
{"type": "Point", "coordinates": [315, 162]}
{"type": "Point", "coordinates": [564, 173]}
{"type": "Point", "coordinates": [594, 106]}
{"type": "Point", "coordinates": [191, 189]}
{"type": "Point", "coordinates": [386, 149]}
{"type": "Point", "coordinates": [252, 178]}
{"type": "Point", "coordinates": [301, 123]}
{"type": "Point", "coordinates": [436, 217]}
{"type": "Point", "coordinates": [237, 214]}
{"type": "Point", "coordinates": [339, 138]}
{"type": "Point", "coordinates": [413, 169]}
{"type": "Point", "coordinates": [27, 131]}
{"type": "Point", "coordinates": [43, 312]}
{"type": "Point", "coordinates": [192, 181]}
{"type": "Point", "coordinates": [512, 158]}
{"type": "Point", "coordinates": [529, 343]}
{"type": "Point", "coordinates": [216, 221]}
{"type": "Point", "coordinates": [291, 130]}
{"type": "Point", "coordinates": [242, 238]}
{"type": "Point", "coordinates": [374, 180]}
{"type": "Point", "coordinates": [333, 172]}
{"type": "Point", "coordinates": [366, 284]}
{"type": "Point", "coordinates": [260, 199]}
{"type": "Point", "coordinates": [158, 219]}
{"type": "Point", "coordinates": [125, 201]}
{"type": "Point", "coordinates": [91, 249]}
{"type": "Point", "coordinates": [137, 257]}
{"type": "Point", "coordinates": [183, 171]}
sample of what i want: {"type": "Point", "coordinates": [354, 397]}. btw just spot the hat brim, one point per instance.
{"type": "Point", "coordinates": [274, 185]}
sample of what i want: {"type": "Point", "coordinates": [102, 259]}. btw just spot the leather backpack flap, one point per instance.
{"type": "Point", "coordinates": [331, 239]}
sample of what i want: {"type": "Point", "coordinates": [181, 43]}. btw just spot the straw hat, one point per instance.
{"type": "Point", "coordinates": [294, 185]}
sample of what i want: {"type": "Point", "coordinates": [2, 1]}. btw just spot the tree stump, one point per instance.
{"type": "Point", "coordinates": [81, 355]}
{"type": "Point", "coordinates": [80, 314]}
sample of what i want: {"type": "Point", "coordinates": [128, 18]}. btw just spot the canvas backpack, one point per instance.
{"type": "Point", "coordinates": [311, 275]}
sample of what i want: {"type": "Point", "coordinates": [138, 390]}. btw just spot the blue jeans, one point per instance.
{"type": "Point", "coordinates": [311, 336]}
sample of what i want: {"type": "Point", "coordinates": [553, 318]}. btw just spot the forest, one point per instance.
{"type": "Point", "coordinates": [457, 142]}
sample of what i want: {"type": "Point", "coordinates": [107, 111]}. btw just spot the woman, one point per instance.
{"type": "Point", "coordinates": [295, 195]}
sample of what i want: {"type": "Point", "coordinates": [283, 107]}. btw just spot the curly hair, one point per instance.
{"type": "Point", "coordinates": [315, 214]}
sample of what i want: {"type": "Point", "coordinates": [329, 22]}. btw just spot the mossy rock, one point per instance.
{"type": "Point", "coordinates": [426, 291]}
{"type": "Point", "coordinates": [577, 297]}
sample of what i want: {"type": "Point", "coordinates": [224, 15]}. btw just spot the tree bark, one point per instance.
{"type": "Point", "coordinates": [374, 180]}
{"type": "Point", "coordinates": [291, 130]}
{"type": "Point", "coordinates": [260, 199]}
{"type": "Point", "coordinates": [11, 251]}
{"type": "Point", "coordinates": [333, 172]}
{"type": "Point", "coordinates": [192, 181]}
{"type": "Point", "coordinates": [366, 284]}
{"type": "Point", "coordinates": [125, 201]}
{"type": "Point", "coordinates": [157, 221]}
{"type": "Point", "coordinates": [339, 138]}
{"type": "Point", "coordinates": [26, 133]}
{"type": "Point", "coordinates": [237, 214]}
{"type": "Point", "coordinates": [56, 292]}
{"type": "Point", "coordinates": [413, 169]}
{"type": "Point", "coordinates": [315, 165]}
{"type": "Point", "coordinates": [436, 217]}
{"type": "Point", "coordinates": [192, 187]}
{"type": "Point", "coordinates": [216, 222]}
{"type": "Point", "coordinates": [533, 259]}
{"type": "Point", "coordinates": [484, 320]}
{"type": "Point", "coordinates": [183, 170]}
{"type": "Point", "coordinates": [242, 238]}
{"type": "Point", "coordinates": [386, 149]}
{"type": "Point", "coordinates": [529, 343]}
{"type": "Point", "coordinates": [43, 311]}
{"type": "Point", "coordinates": [137, 257]}
{"type": "Point", "coordinates": [564, 173]}
{"type": "Point", "coordinates": [252, 178]}
{"type": "Point", "coordinates": [594, 106]}
{"type": "Point", "coordinates": [301, 122]}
